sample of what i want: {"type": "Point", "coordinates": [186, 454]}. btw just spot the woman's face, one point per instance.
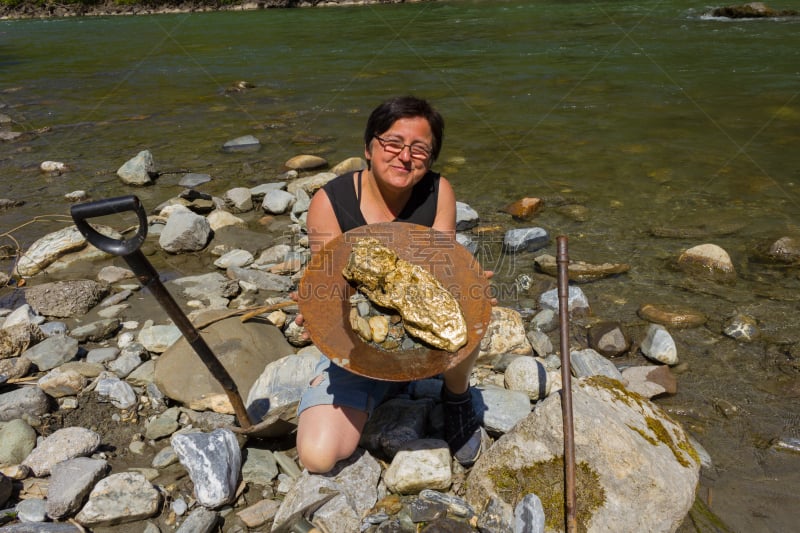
{"type": "Point", "coordinates": [401, 170]}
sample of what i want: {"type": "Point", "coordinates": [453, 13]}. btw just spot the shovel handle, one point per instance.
{"type": "Point", "coordinates": [110, 206]}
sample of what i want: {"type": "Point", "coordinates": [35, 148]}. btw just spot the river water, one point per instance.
{"type": "Point", "coordinates": [647, 114]}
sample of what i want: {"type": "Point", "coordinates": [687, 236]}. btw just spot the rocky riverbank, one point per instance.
{"type": "Point", "coordinates": [26, 10]}
{"type": "Point", "coordinates": [109, 420]}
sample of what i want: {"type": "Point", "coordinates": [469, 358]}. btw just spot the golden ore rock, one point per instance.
{"type": "Point", "coordinates": [430, 313]}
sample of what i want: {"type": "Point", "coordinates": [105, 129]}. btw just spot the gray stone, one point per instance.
{"type": "Point", "coordinates": [302, 202]}
{"type": "Point", "coordinates": [587, 363]}
{"type": "Point", "coordinates": [238, 200]}
{"type": "Point", "coordinates": [112, 389]}
{"type": "Point", "coordinates": [102, 355]}
{"type": "Point", "coordinates": [43, 527]}
{"type": "Point", "coordinates": [287, 465]}
{"type": "Point", "coordinates": [192, 180]}
{"type": "Point", "coordinates": [31, 510]}
{"type": "Point", "coordinates": [259, 467]}
{"type": "Point", "coordinates": [113, 311]}
{"type": "Point", "coordinates": [24, 314]}
{"type": "Point", "coordinates": [545, 320]}
{"type": "Point", "coordinates": [455, 505]}
{"type": "Point", "coordinates": [540, 342]}
{"type": "Point", "coordinates": [158, 338]}
{"type": "Point", "coordinates": [259, 191]}
{"type": "Point", "coordinates": [310, 184]}
{"type": "Point", "coordinates": [499, 409]}
{"type": "Point", "coordinates": [96, 331]}
{"type": "Point", "coordinates": [164, 458]}
{"type": "Point", "coordinates": [115, 274]}
{"type": "Point", "coordinates": [659, 345]}
{"type": "Point", "coordinates": [263, 280]}
{"type": "Point", "coordinates": [51, 329]}
{"type": "Point", "coordinates": [525, 239]}
{"type": "Point", "coordinates": [212, 289]}
{"type": "Point", "coordinates": [143, 375]}
{"type": "Point", "coordinates": [467, 242]}
{"type": "Point", "coordinates": [213, 461]}
{"type": "Point", "coordinates": [63, 444]}
{"type": "Point", "coordinates": [576, 300]}
{"type": "Point", "coordinates": [52, 352]}
{"type": "Point", "coordinates": [278, 202]}
{"type": "Point", "coordinates": [139, 170]}
{"type": "Point", "coordinates": [28, 403]}
{"type": "Point", "coordinates": [185, 232]}
{"type": "Point", "coordinates": [120, 498]}
{"type": "Point", "coordinates": [529, 515]}
{"type": "Point", "coordinates": [66, 299]}
{"type": "Point", "coordinates": [179, 506]}
{"type": "Point", "coordinates": [17, 440]}
{"type": "Point", "coordinates": [130, 358]}
{"type": "Point", "coordinates": [200, 520]}
{"type": "Point", "coordinates": [496, 517]}
{"type": "Point", "coordinates": [163, 424]}
{"type": "Point", "coordinates": [466, 217]}
{"type": "Point", "coordinates": [245, 143]}
{"type": "Point", "coordinates": [234, 258]}
{"type": "Point", "coordinates": [70, 483]}
{"type": "Point", "coordinates": [273, 254]}
{"type": "Point", "coordinates": [279, 387]}
{"type": "Point", "coordinates": [340, 497]}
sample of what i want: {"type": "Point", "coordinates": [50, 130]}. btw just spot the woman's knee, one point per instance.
{"type": "Point", "coordinates": [317, 459]}
{"type": "Point", "coordinates": [327, 435]}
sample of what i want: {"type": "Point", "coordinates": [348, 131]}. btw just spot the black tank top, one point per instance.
{"type": "Point", "coordinates": [346, 201]}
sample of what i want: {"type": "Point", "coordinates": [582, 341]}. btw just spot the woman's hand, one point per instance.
{"type": "Point", "coordinates": [299, 319]}
{"type": "Point", "coordinates": [489, 274]}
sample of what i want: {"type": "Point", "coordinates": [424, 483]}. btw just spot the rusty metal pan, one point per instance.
{"type": "Point", "coordinates": [324, 299]}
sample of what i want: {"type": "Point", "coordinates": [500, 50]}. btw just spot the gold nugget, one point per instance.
{"type": "Point", "coordinates": [429, 311]}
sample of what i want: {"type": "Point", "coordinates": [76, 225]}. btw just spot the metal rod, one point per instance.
{"type": "Point", "coordinates": [562, 260]}
{"type": "Point", "coordinates": [148, 277]}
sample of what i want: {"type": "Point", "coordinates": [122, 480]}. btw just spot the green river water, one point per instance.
{"type": "Point", "coordinates": [647, 114]}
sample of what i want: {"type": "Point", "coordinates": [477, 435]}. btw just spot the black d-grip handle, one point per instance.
{"type": "Point", "coordinates": [110, 206]}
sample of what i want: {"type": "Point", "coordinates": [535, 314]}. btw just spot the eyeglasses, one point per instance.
{"type": "Point", "coordinates": [395, 146]}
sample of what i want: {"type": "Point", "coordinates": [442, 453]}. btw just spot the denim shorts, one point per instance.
{"type": "Point", "coordinates": [342, 388]}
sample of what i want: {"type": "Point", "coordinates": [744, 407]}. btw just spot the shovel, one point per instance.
{"type": "Point", "coordinates": [148, 277]}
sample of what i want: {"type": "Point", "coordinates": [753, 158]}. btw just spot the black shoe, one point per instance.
{"type": "Point", "coordinates": [462, 429]}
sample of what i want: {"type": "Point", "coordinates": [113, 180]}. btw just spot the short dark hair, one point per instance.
{"type": "Point", "coordinates": [391, 110]}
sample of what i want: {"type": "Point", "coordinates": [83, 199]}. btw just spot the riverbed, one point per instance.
{"type": "Point", "coordinates": [647, 128]}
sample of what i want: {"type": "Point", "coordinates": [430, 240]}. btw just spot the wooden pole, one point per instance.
{"type": "Point", "coordinates": [562, 260]}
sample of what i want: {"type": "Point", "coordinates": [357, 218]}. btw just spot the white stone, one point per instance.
{"type": "Point", "coordinates": [659, 345]}
{"type": "Point", "coordinates": [420, 464]}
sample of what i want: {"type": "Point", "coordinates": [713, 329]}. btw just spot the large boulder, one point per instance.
{"type": "Point", "coordinates": [629, 455]}
{"type": "Point", "coordinates": [243, 348]}
{"type": "Point", "coordinates": [65, 299]}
